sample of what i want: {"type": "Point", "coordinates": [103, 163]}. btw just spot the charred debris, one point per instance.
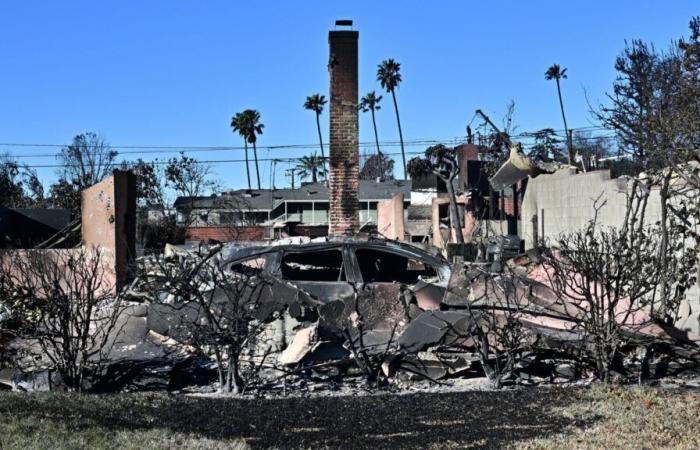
{"type": "Point", "coordinates": [352, 313]}
{"type": "Point", "coordinates": [319, 314]}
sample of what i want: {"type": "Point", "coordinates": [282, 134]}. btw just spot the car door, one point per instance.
{"type": "Point", "coordinates": [386, 270]}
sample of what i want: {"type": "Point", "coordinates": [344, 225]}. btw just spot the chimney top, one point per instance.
{"type": "Point", "coordinates": [343, 23]}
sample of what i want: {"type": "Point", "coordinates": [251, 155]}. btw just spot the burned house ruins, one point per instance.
{"type": "Point", "coordinates": [362, 280]}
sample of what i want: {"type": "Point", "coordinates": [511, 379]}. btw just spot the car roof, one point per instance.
{"type": "Point", "coordinates": [236, 252]}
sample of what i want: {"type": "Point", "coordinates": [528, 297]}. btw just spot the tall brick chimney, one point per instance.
{"type": "Point", "coordinates": [344, 155]}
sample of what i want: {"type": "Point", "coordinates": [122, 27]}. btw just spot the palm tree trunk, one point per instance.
{"type": "Point", "coordinates": [376, 136]}
{"type": "Point", "coordinates": [320, 140]}
{"type": "Point", "coordinates": [566, 128]}
{"type": "Point", "coordinates": [257, 170]}
{"type": "Point", "coordinates": [247, 165]}
{"type": "Point", "coordinates": [398, 122]}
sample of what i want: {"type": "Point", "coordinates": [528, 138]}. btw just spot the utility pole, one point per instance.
{"type": "Point", "coordinates": [274, 169]}
{"type": "Point", "coordinates": [512, 224]}
{"type": "Point", "coordinates": [290, 173]}
{"type": "Point", "coordinates": [570, 145]}
{"type": "Point", "coordinates": [486, 118]}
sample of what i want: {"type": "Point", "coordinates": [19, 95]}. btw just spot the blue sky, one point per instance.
{"type": "Point", "coordinates": [171, 73]}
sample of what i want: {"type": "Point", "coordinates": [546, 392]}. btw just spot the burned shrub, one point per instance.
{"type": "Point", "coordinates": [614, 281]}
{"type": "Point", "coordinates": [62, 305]}
{"type": "Point", "coordinates": [496, 307]}
{"type": "Point", "coordinates": [499, 330]}
{"type": "Point", "coordinates": [217, 311]}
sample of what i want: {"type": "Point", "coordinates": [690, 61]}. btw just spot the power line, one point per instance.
{"type": "Point", "coordinates": [160, 149]}
{"type": "Point", "coordinates": [185, 149]}
{"type": "Point", "coordinates": [293, 159]}
{"type": "Point", "coordinates": [215, 147]}
{"type": "Point", "coordinates": [212, 161]}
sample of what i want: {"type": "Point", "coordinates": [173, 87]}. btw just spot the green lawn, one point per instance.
{"type": "Point", "coordinates": [555, 418]}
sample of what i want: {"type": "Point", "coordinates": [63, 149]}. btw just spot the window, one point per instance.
{"type": "Point", "coordinates": [378, 266]}
{"type": "Point", "coordinates": [251, 266]}
{"type": "Point", "coordinates": [295, 212]}
{"type": "Point", "coordinates": [368, 212]}
{"type": "Point", "coordinates": [324, 265]}
{"type": "Point", "coordinates": [320, 212]}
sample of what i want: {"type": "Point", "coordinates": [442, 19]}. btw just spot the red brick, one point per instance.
{"type": "Point", "coordinates": [344, 156]}
{"type": "Point", "coordinates": [228, 234]}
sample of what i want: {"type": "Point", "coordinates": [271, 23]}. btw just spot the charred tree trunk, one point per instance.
{"type": "Point", "coordinates": [235, 382]}
{"type": "Point", "coordinates": [456, 221]}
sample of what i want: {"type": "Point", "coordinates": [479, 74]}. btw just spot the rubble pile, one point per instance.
{"type": "Point", "coordinates": [317, 313]}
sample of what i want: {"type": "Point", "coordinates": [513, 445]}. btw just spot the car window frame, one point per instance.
{"type": "Point", "coordinates": [290, 250]}
{"type": "Point", "coordinates": [264, 269]}
{"type": "Point", "coordinates": [398, 252]}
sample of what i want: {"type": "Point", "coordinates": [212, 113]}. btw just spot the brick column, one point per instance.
{"type": "Point", "coordinates": [344, 155]}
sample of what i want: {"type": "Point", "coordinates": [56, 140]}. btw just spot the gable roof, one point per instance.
{"type": "Point", "coordinates": [267, 199]}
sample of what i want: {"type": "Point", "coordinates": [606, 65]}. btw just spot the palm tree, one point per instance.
{"type": "Point", "coordinates": [255, 128]}
{"type": "Point", "coordinates": [310, 165]}
{"type": "Point", "coordinates": [315, 103]}
{"type": "Point", "coordinates": [557, 73]}
{"type": "Point", "coordinates": [239, 125]}
{"type": "Point", "coordinates": [370, 102]}
{"type": "Point", "coordinates": [389, 77]}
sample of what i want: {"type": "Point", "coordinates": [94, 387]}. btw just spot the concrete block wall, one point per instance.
{"type": "Point", "coordinates": [564, 202]}
{"type": "Point", "coordinates": [344, 156]}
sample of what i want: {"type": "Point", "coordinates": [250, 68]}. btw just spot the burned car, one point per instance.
{"type": "Point", "coordinates": [334, 299]}
{"type": "Point", "coordinates": [337, 270]}
{"type": "Point", "coordinates": [384, 307]}
{"type": "Point", "coordinates": [359, 295]}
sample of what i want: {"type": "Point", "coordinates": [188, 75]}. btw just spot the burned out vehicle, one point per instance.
{"type": "Point", "coordinates": [336, 300]}
{"type": "Point", "coordinates": [386, 308]}
{"type": "Point", "coordinates": [338, 270]}
{"type": "Point", "coordinates": [360, 297]}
